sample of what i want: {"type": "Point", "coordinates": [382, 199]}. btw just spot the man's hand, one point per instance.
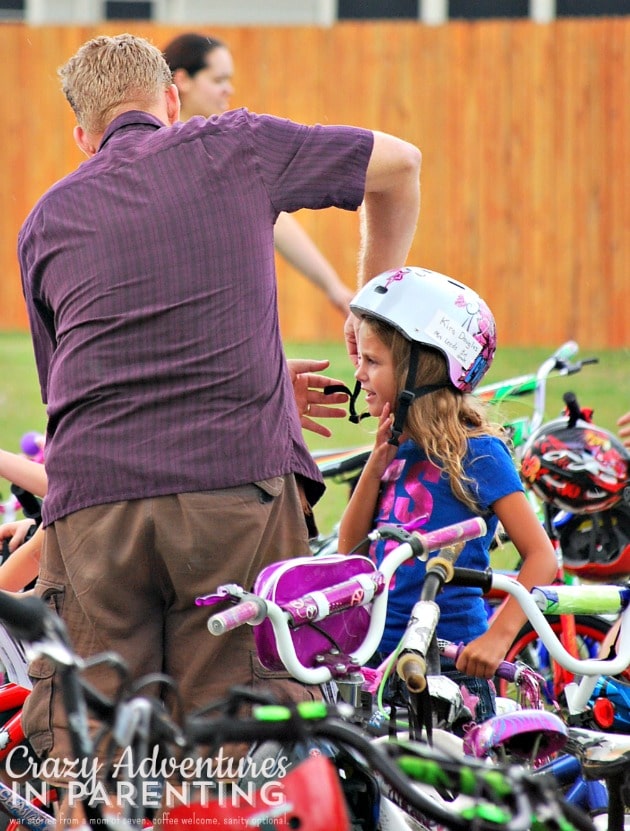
{"type": "Point", "coordinates": [350, 334]}
{"type": "Point", "coordinates": [311, 401]}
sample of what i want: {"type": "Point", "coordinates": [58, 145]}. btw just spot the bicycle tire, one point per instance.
{"type": "Point", "coordinates": [526, 647]}
{"type": "Point", "coordinates": [13, 661]}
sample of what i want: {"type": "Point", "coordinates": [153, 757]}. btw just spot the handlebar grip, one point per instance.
{"type": "Point", "coordinates": [24, 616]}
{"type": "Point", "coordinates": [566, 351]}
{"type": "Point", "coordinates": [411, 665]}
{"type": "Point", "coordinates": [506, 669]}
{"type": "Point", "coordinates": [469, 529]}
{"type": "Point", "coordinates": [250, 611]}
{"type": "Point", "coordinates": [472, 577]}
{"type": "Point", "coordinates": [413, 671]}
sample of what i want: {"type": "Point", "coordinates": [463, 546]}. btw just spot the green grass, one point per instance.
{"type": "Point", "coordinates": [603, 386]}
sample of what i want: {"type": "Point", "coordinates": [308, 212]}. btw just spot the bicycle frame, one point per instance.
{"type": "Point", "coordinates": [511, 794]}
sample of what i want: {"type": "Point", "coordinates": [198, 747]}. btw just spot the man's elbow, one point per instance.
{"type": "Point", "coordinates": [414, 158]}
{"type": "Point", "coordinates": [393, 161]}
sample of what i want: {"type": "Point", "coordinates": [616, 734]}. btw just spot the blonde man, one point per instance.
{"type": "Point", "coordinates": [174, 452]}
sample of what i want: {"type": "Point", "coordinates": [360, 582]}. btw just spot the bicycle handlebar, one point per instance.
{"type": "Point", "coordinates": [527, 680]}
{"type": "Point", "coordinates": [251, 609]}
{"type": "Point", "coordinates": [506, 669]}
{"type": "Point", "coordinates": [360, 590]}
{"type": "Point", "coordinates": [25, 616]}
{"type": "Point", "coordinates": [558, 363]}
{"type": "Point", "coordinates": [512, 789]}
{"type": "Point", "coordinates": [545, 600]}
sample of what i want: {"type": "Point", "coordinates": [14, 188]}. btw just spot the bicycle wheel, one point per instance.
{"type": "Point", "coordinates": [590, 631]}
{"type": "Point", "coordinates": [13, 662]}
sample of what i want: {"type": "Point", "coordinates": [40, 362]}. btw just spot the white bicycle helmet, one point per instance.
{"type": "Point", "coordinates": [431, 309]}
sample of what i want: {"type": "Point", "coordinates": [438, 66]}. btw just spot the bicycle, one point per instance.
{"type": "Point", "coordinates": [572, 465]}
{"type": "Point", "coordinates": [286, 619]}
{"type": "Point", "coordinates": [505, 795]}
{"type": "Point", "coordinates": [294, 632]}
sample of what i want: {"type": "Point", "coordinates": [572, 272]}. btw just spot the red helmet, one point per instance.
{"type": "Point", "coordinates": [580, 469]}
{"type": "Point", "coordinates": [597, 546]}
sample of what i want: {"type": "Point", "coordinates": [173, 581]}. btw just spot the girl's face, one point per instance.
{"type": "Point", "coordinates": [209, 90]}
{"type": "Point", "coordinates": [375, 371]}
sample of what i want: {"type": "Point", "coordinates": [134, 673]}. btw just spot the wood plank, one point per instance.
{"type": "Point", "coordinates": [524, 129]}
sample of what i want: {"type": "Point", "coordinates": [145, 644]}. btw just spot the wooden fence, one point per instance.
{"type": "Point", "coordinates": [525, 134]}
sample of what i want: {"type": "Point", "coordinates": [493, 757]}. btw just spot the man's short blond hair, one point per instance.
{"type": "Point", "coordinates": [111, 74]}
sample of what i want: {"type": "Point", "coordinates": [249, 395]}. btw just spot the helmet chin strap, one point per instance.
{"type": "Point", "coordinates": [409, 394]}
{"type": "Point", "coordinates": [354, 417]}
{"type": "Point", "coordinates": [404, 399]}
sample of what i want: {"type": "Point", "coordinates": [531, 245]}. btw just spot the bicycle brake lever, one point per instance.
{"type": "Point", "coordinates": [229, 592]}
{"type": "Point", "coordinates": [390, 532]}
{"type": "Point", "coordinates": [571, 369]}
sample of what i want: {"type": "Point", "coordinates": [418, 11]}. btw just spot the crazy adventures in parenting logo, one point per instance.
{"type": "Point", "coordinates": [153, 782]}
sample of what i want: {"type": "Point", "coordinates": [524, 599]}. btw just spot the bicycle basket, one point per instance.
{"type": "Point", "coordinates": [286, 581]}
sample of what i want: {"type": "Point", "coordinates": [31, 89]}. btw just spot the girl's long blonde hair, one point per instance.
{"type": "Point", "coordinates": [441, 422]}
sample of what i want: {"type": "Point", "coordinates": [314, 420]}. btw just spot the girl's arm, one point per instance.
{"type": "Point", "coordinates": [358, 517]}
{"type": "Point", "coordinates": [23, 565]}
{"type": "Point", "coordinates": [23, 472]}
{"type": "Point", "coordinates": [482, 656]}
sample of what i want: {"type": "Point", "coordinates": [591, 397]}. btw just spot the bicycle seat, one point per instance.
{"type": "Point", "coordinates": [339, 462]}
{"type": "Point", "coordinates": [524, 734]}
{"type": "Point", "coordinates": [601, 754]}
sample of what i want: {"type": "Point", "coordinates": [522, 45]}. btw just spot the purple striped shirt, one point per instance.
{"type": "Point", "coordinates": [150, 283]}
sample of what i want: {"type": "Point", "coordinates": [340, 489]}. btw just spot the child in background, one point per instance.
{"type": "Point", "coordinates": [425, 342]}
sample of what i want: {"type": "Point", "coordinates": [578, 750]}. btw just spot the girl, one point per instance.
{"type": "Point", "coordinates": [425, 342]}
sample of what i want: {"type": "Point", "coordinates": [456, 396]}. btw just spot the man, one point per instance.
{"type": "Point", "coordinates": [174, 451]}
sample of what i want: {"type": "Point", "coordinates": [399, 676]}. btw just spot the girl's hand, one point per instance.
{"type": "Point", "coordinates": [15, 532]}
{"type": "Point", "coordinates": [482, 656]}
{"type": "Point", "coordinates": [383, 453]}
{"type": "Point", "coordinates": [624, 432]}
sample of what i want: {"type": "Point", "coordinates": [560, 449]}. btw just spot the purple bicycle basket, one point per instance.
{"type": "Point", "coordinates": [288, 580]}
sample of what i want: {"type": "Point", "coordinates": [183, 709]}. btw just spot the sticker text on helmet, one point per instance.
{"type": "Point", "coordinates": [450, 335]}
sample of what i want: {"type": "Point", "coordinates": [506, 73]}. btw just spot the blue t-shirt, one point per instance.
{"type": "Point", "coordinates": [414, 488]}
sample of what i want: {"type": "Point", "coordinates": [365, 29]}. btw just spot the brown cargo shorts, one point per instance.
{"type": "Point", "coordinates": [124, 577]}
